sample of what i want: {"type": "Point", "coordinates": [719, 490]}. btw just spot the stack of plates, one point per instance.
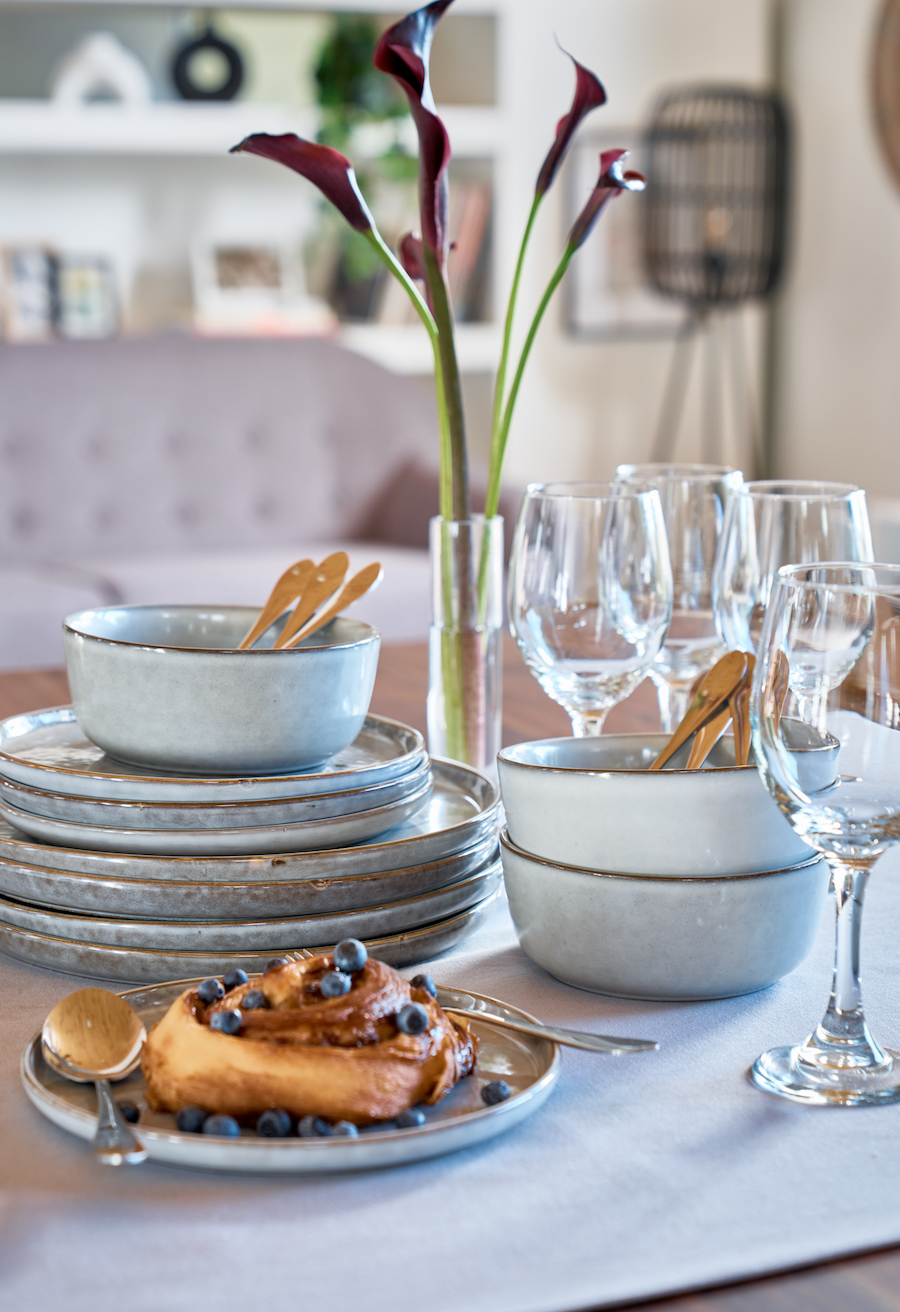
{"type": "Point", "coordinates": [116, 871]}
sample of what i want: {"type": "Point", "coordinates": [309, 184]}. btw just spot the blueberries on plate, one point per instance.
{"type": "Point", "coordinates": [412, 1018]}
{"type": "Point", "coordinates": [227, 1022]}
{"type": "Point", "coordinates": [350, 956]}
{"type": "Point", "coordinates": [255, 1000]}
{"type": "Point", "coordinates": [274, 1124]}
{"type": "Point", "coordinates": [190, 1120]}
{"type": "Point", "coordinates": [210, 990]}
{"type": "Point", "coordinates": [408, 1120]}
{"type": "Point", "coordinates": [496, 1091]}
{"type": "Point", "coordinates": [276, 962]}
{"type": "Point", "coordinates": [345, 1130]}
{"type": "Point", "coordinates": [234, 978]}
{"type": "Point", "coordinates": [424, 982]}
{"type": "Point", "coordinates": [130, 1111]}
{"type": "Point", "coordinates": [335, 984]}
{"type": "Point", "coordinates": [313, 1127]}
{"type": "Point", "coordinates": [225, 1126]}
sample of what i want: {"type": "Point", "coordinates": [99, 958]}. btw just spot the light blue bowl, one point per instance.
{"type": "Point", "coordinates": [164, 686]}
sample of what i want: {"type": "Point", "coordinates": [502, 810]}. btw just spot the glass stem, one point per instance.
{"type": "Point", "coordinates": [673, 702]}
{"type": "Point", "coordinates": [588, 724]}
{"type": "Point", "coordinates": [842, 1038]}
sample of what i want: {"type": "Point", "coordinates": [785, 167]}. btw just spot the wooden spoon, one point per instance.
{"type": "Point", "coordinates": [716, 687]}
{"type": "Point", "coordinates": [779, 681]}
{"type": "Point", "coordinates": [707, 736]}
{"type": "Point", "coordinates": [326, 579]}
{"type": "Point", "coordinates": [740, 713]}
{"type": "Point", "coordinates": [285, 592]}
{"type": "Point", "coordinates": [352, 590]}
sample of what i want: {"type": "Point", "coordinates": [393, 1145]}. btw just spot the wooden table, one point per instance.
{"type": "Point", "coordinates": [870, 1283]}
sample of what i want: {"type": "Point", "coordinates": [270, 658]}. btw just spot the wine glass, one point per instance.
{"type": "Point", "coordinates": [780, 522]}
{"type": "Point", "coordinates": [590, 593]}
{"type": "Point", "coordinates": [834, 629]}
{"type": "Point", "coordinates": [694, 498]}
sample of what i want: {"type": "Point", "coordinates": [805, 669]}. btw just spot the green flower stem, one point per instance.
{"type": "Point", "coordinates": [452, 391]}
{"type": "Point", "coordinates": [492, 499]}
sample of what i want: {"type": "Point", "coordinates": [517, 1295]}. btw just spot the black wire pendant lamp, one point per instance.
{"type": "Point", "coordinates": [714, 236]}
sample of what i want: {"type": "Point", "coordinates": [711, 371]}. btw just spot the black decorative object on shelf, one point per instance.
{"type": "Point", "coordinates": [233, 69]}
{"type": "Point", "coordinates": [715, 226]}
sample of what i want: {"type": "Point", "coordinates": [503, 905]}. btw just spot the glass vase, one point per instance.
{"type": "Point", "coordinates": [465, 650]}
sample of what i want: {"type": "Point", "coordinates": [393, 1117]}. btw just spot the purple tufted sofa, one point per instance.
{"type": "Point", "coordinates": [186, 470]}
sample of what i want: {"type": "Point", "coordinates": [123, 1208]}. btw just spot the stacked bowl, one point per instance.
{"type": "Point", "coordinates": [669, 885]}
{"type": "Point", "coordinates": [201, 807]}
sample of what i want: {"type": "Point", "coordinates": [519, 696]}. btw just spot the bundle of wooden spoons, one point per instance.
{"type": "Point", "coordinates": [721, 697]}
{"type": "Point", "coordinates": [309, 588]}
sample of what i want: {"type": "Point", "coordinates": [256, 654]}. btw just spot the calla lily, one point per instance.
{"type": "Point", "coordinates": [613, 179]}
{"type": "Point", "coordinates": [412, 257]}
{"type": "Point", "coordinates": [323, 166]}
{"type": "Point", "coordinates": [589, 94]}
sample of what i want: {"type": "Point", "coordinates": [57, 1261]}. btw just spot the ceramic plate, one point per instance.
{"type": "Point", "coordinates": [249, 841]}
{"type": "Point", "coordinates": [272, 936]}
{"type": "Point", "coordinates": [220, 815]}
{"type": "Point", "coordinates": [157, 899]}
{"type": "Point", "coordinates": [46, 749]}
{"type": "Point", "coordinates": [462, 810]}
{"type": "Point", "coordinates": [460, 1120]}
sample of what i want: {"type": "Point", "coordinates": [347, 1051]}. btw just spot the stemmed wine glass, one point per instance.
{"type": "Point", "coordinates": [590, 593]}
{"type": "Point", "coordinates": [694, 498]}
{"type": "Point", "coordinates": [834, 630]}
{"type": "Point", "coordinates": [771, 523]}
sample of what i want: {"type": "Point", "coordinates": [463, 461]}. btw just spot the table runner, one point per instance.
{"type": "Point", "coordinates": [642, 1176]}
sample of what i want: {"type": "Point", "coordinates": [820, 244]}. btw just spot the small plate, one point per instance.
{"type": "Point", "coordinates": [213, 816]}
{"type": "Point", "coordinates": [529, 1066]}
{"type": "Point", "coordinates": [248, 841]}
{"type": "Point", "coordinates": [142, 966]}
{"type": "Point", "coordinates": [462, 810]}
{"type": "Point", "coordinates": [46, 749]}
{"type": "Point", "coordinates": [271, 936]}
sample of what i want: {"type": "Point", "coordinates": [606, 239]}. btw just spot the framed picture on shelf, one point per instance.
{"type": "Point", "coordinates": [256, 290]}
{"type": "Point", "coordinates": [87, 297]}
{"type": "Point", "coordinates": [28, 294]}
{"type": "Point", "coordinates": [605, 290]}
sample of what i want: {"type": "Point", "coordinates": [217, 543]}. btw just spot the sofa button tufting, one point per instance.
{"type": "Point", "coordinates": [187, 514]}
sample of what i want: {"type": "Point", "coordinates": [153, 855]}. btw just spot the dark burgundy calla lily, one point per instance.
{"type": "Point", "coordinates": [412, 257]}
{"type": "Point", "coordinates": [589, 94]}
{"type": "Point", "coordinates": [326, 168]}
{"type": "Point", "coordinates": [404, 52]}
{"type": "Point", "coordinates": [613, 179]}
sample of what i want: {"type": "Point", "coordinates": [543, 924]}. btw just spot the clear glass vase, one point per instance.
{"type": "Point", "coordinates": [465, 651]}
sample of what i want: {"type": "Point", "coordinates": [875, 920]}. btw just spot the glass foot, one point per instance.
{"type": "Point", "coordinates": [783, 1071]}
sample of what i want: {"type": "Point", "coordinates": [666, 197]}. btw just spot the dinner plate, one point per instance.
{"type": "Point", "coordinates": [246, 841]}
{"type": "Point", "coordinates": [271, 936]}
{"type": "Point", "coordinates": [218, 815]}
{"type": "Point", "coordinates": [46, 749]}
{"type": "Point", "coordinates": [530, 1066]}
{"type": "Point", "coordinates": [462, 810]}
{"type": "Point", "coordinates": [157, 899]}
{"type": "Point", "coordinates": [143, 966]}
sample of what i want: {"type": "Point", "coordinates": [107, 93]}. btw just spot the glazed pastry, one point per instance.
{"type": "Point", "coordinates": [281, 1041]}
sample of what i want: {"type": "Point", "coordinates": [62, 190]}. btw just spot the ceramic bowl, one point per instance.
{"type": "Point", "coordinates": [654, 937]}
{"type": "Point", "coordinates": [164, 686]}
{"type": "Point", "coordinates": [592, 802]}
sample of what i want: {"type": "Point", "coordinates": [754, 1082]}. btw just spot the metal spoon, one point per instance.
{"type": "Point", "coordinates": [327, 578]}
{"type": "Point", "coordinates": [95, 1036]}
{"type": "Point", "coordinates": [571, 1038]}
{"type": "Point", "coordinates": [285, 592]}
{"type": "Point", "coordinates": [353, 589]}
{"type": "Point", "coordinates": [716, 687]}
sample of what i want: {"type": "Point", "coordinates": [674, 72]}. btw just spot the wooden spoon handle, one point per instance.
{"type": "Point", "coordinates": [352, 590]}
{"type": "Point", "coordinates": [284, 594]}
{"type": "Point", "coordinates": [327, 578]}
{"type": "Point", "coordinates": [707, 736]}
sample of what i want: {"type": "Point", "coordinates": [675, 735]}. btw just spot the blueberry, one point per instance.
{"type": "Point", "coordinates": [345, 1130]}
{"type": "Point", "coordinates": [225, 1126]}
{"type": "Point", "coordinates": [274, 1124]}
{"type": "Point", "coordinates": [234, 978]}
{"type": "Point", "coordinates": [407, 1120]}
{"type": "Point", "coordinates": [335, 985]}
{"type": "Point", "coordinates": [130, 1111]}
{"type": "Point", "coordinates": [313, 1127]}
{"type": "Point", "coordinates": [276, 962]}
{"type": "Point", "coordinates": [350, 955]}
{"type": "Point", "coordinates": [255, 1000]}
{"type": "Point", "coordinates": [190, 1120]}
{"type": "Point", "coordinates": [424, 982]}
{"type": "Point", "coordinates": [227, 1022]}
{"type": "Point", "coordinates": [412, 1018]}
{"type": "Point", "coordinates": [496, 1091]}
{"type": "Point", "coordinates": [210, 990]}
